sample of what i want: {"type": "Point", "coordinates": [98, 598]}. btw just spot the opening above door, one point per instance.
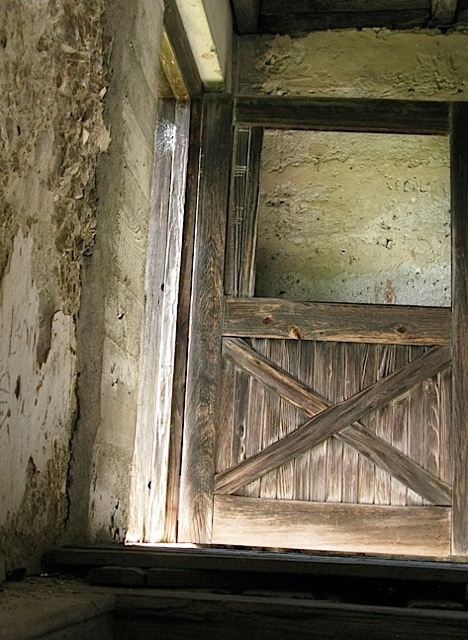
{"type": "Point", "coordinates": [354, 217]}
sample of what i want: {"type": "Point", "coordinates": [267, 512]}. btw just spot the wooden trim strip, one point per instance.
{"type": "Point", "coordinates": [204, 358]}
{"type": "Point", "coordinates": [182, 49]}
{"type": "Point", "coordinates": [418, 531]}
{"type": "Point", "coordinates": [374, 448]}
{"type": "Point", "coordinates": [283, 319]}
{"type": "Point", "coordinates": [343, 114]}
{"type": "Point", "coordinates": [459, 191]}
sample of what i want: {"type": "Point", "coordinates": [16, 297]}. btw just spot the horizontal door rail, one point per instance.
{"type": "Point", "coordinates": [371, 323]}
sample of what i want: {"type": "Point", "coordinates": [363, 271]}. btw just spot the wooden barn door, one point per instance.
{"type": "Point", "coordinates": [312, 425]}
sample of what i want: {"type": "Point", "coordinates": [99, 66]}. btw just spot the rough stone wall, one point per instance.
{"type": "Point", "coordinates": [51, 133]}
{"type": "Point", "coordinates": [112, 309]}
{"type": "Point", "coordinates": [375, 63]}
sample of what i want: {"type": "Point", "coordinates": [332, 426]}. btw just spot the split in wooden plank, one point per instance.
{"type": "Point", "coordinates": [418, 531]}
{"type": "Point", "coordinates": [459, 191]}
{"type": "Point", "coordinates": [343, 114]}
{"type": "Point", "coordinates": [334, 419]}
{"type": "Point", "coordinates": [391, 324]}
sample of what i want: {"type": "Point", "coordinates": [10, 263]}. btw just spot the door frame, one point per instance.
{"type": "Point", "coordinates": [208, 300]}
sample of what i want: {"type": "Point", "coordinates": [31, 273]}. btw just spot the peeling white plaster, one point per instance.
{"type": "Point", "coordinates": [36, 400]}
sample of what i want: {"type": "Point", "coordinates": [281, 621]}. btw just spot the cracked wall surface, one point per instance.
{"type": "Point", "coordinates": [51, 133]}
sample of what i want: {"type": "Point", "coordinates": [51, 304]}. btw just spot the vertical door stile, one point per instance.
{"type": "Point", "coordinates": [206, 316]}
{"type": "Point", "coordinates": [459, 190]}
{"type": "Point", "coordinates": [246, 394]}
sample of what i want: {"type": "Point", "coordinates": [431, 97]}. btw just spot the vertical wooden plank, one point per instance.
{"type": "Point", "coordinates": [287, 417]}
{"type": "Point", "coordinates": [335, 377]}
{"type": "Point", "coordinates": [147, 434]}
{"type": "Point", "coordinates": [271, 409]}
{"type": "Point", "coordinates": [416, 428]}
{"type": "Point", "coordinates": [318, 455]}
{"type": "Point", "coordinates": [383, 427]}
{"type": "Point", "coordinates": [459, 190]}
{"type": "Point", "coordinates": [224, 425]}
{"type": "Point", "coordinates": [183, 316]}
{"type": "Point", "coordinates": [168, 292]}
{"type": "Point", "coordinates": [445, 416]}
{"type": "Point", "coordinates": [366, 476]}
{"type": "Point", "coordinates": [197, 470]}
{"type": "Point", "coordinates": [253, 429]}
{"type": "Point", "coordinates": [302, 468]}
{"type": "Point", "coordinates": [353, 354]}
{"type": "Point", "coordinates": [399, 436]}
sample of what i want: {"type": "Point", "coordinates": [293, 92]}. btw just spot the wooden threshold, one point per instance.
{"type": "Point", "coordinates": [332, 527]}
{"type": "Point", "coordinates": [248, 559]}
{"type": "Point", "coordinates": [371, 323]}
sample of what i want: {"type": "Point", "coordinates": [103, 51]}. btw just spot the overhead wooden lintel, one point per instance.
{"type": "Point", "coordinates": [443, 11]}
{"type": "Point", "coordinates": [246, 13]}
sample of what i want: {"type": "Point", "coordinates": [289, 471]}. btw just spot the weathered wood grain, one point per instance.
{"type": "Point", "coordinates": [353, 354]}
{"type": "Point", "coordinates": [269, 480]}
{"type": "Point", "coordinates": [183, 318]}
{"type": "Point", "coordinates": [418, 531]}
{"type": "Point", "coordinates": [335, 375]}
{"type": "Point", "coordinates": [225, 425]}
{"type": "Point", "coordinates": [399, 431]}
{"type": "Point", "coordinates": [391, 324]}
{"type": "Point", "coordinates": [246, 13]}
{"type": "Point", "coordinates": [459, 191]}
{"type": "Point", "coordinates": [318, 455]}
{"type": "Point", "coordinates": [303, 468]}
{"type": "Point", "coordinates": [383, 426]}
{"type": "Point", "coordinates": [369, 374]}
{"type": "Point", "coordinates": [312, 403]}
{"type": "Point", "coordinates": [343, 114]}
{"type": "Point", "coordinates": [197, 469]}
{"type": "Point", "coordinates": [287, 419]}
{"type": "Point", "coordinates": [151, 442]}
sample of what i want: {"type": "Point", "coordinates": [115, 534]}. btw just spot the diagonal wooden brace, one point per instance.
{"type": "Point", "coordinates": [338, 420]}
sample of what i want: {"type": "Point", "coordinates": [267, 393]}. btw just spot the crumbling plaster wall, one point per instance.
{"type": "Point", "coordinates": [348, 217]}
{"type": "Point", "coordinates": [51, 133]}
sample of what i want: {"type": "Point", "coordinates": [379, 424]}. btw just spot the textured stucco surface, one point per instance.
{"type": "Point", "coordinates": [369, 63]}
{"type": "Point", "coordinates": [346, 217]}
{"type": "Point", "coordinates": [51, 133]}
{"type": "Point", "coordinates": [113, 299]}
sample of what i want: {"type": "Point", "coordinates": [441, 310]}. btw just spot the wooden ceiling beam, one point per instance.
{"type": "Point", "coordinates": [443, 11]}
{"type": "Point", "coordinates": [246, 13]}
